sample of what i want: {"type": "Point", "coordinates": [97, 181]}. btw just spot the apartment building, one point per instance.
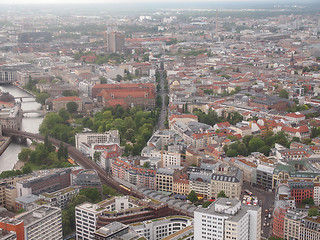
{"type": "Point", "coordinates": [138, 176]}
{"type": "Point", "coordinates": [124, 209]}
{"type": "Point", "coordinates": [86, 216]}
{"type": "Point", "coordinates": [61, 102]}
{"type": "Point", "coordinates": [227, 179]}
{"type": "Point", "coordinates": [160, 228]}
{"type": "Point", "coordinates": [43, 222]}
{"type": "Point", "coordinates": [164, 179]}
{"type": "Point", "coordinates": [310, 228]}
{"type": "Point", "coordinates": [60, 198]}
{"type": "Point", "coordinates": [89, 138]}
{"type": "Point", "coordinates": [292, 221]}
{"type": "Point", "coordinates": [45, 181]}
{"type": "Point", "coordinates": [88, 178]}
{"type": "Point", "coordinates": [227, 219]}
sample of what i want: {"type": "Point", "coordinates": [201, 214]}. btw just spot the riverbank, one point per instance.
{"type": "Point", "coordinates": [4, 143]}
{"type": "Point", "coordinates": [19, 165]}
{"type": "Point", "coordinates": [25, 90]}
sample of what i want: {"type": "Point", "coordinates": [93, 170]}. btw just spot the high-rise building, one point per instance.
{"type": "Point", "coordinates": [227, 219]}
{"type": "Point", "coordinates": [115, 41]}
{"type": "Point", "coordinates": [43, 222]}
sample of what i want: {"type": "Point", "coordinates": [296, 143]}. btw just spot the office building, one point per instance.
{"type": "Point", "coordinates": [160, 228]}
{"type": "Point", "coordinates": [43, 222]}
{"type": "Point", "coordinates": [310, 228]}
{"type": "Point", "coordinates": [227, 219]}
{"type": "Point", "coordinates": [89, 138]}
{"type": "Point", "coordinates": [115, 42]}
{"type": "Point", "coordinates": [46, 181]}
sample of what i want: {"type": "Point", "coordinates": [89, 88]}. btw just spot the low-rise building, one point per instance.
{"type": "Point", "coordinates": [61, 102]}
{"type": "Point", "coordinates": [44, 182]}
{"type": "Point", "coordinates": [60, 198]}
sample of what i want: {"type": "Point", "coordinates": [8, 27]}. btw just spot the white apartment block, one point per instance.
{"type": "Point", "coordinates": [159, 228]}
{"type": "Point", "coordinates": [316, 194]}
{"type": "Point", "coordinates": [227, 219]}
{"type": "Point", "coordinates": [43, 223]}
{"type": "Point", "coordinates": [87, 214]}
{"type": "Point", "coordinates": [86, 220]}
{"type": "Point", "coordinates": [89, 138]}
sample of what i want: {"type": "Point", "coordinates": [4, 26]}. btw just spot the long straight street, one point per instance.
{"type": "Point", "coordinates": [164, 108]}
{"type": "Point", "coordinates": [267, 200]}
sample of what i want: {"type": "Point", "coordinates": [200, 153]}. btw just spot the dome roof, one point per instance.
{"type": "Point", "coordinates": [175, 83]}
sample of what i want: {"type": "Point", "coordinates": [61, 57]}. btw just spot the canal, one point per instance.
{"type": "Point", "coordinates": [30, 124]}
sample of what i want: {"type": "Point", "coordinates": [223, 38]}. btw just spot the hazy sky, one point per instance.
{"type": "Point", "coordinates": [117, 1]}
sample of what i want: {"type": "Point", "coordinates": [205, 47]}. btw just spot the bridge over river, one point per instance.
{"type": "Point", "coordinates": [76, 155]}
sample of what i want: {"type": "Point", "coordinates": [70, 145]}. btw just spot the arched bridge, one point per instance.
{"type": "Point", "coordinates": [76, 155]}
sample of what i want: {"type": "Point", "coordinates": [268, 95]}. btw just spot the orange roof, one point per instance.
{"type": "Point", "coordinates": [67, 99]}
{"type": "Point", "coordinates": [183, 116]}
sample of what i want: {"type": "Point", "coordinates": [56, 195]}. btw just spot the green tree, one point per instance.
{"type": "Point", "coordinates": [103, 80]}
{"type": "Point", "coordinates": [72, 107]}
{"type": "Point", "coordinates": [26, 169]}
{"type": "Point", "coordinates": [93, 194]}
{"type": "Point", "coordinates": [146, 57]}
{"type": "Point", "coordinates": [119, 78]}
{"type": "Point", "coordinates": [42, 97]}
{"type": "Point", "coordinates": [106, 190]}
{"type": "Point", "coordinates": [242, 149]}
{"type": "Point", "coordinates": [158, 101]}
{"type": "Point", "coordinates": [146, 164]}
{"type": "Point", "coordinates": [265, 150]}
{"type": "Point", "coordinates": [255, 144]}
{"type": "Point", "coordinates": [24, 155]}
{"type": "Point", "coordinates": [64, 114]}
{"type": "Point", "coordinates": [222, 194]}
{"type": "Point", "coordinates": [96, 156]}
{"type": "Point", "coordinates": [49, 122]}
{"type": "Point", "coordinates": [192, 196]}
{"type": "Point", "coordinates": [308, 201]}
{"type": "Point", "coordinates": [61, 151]}
{"type": "Point", "coordinates": [232, 153]}
{"type": "Point", "coordinates": [206, 204]}
{"type": "Point", "coordinates": [137, 72]}
{"type": "Point", "coordinates": [70, 93]}
{"type": "Point", "coordinates": [283, 94]}
{"type": "Point", "coordinates": [313, 212]}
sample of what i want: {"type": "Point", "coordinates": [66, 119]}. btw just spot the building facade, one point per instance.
{"type": "Point", "coordinates": [227, 219]}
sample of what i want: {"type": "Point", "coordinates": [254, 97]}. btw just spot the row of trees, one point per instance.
{"type": "Point", "coordinates": [134, 125]}
{"type": "Point", "coordinates": [212, 117]}
{"type": "Point", "coordinates": [45, 156]}
{"type": "Point", "coordinates": [261, 143]}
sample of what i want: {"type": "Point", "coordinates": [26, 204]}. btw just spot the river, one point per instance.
{"type": "Point", "coordinates": [29, 124]}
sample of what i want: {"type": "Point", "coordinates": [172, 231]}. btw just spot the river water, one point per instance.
{"type": "Point", "coordinates": [30, 124]}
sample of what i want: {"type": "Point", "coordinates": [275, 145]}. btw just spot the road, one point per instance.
{"type": "Point", "coordinates": [267, 199]}
{"type": "Point", "coordinates": [164, 108]}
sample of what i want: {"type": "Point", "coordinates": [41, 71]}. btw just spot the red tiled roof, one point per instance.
{"type": "Point", "coordinates": [294, 115]}
{"type": "Point", "coordinates": [183, 116]}
{"type": "Point", "coordinates": [67, 99]}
